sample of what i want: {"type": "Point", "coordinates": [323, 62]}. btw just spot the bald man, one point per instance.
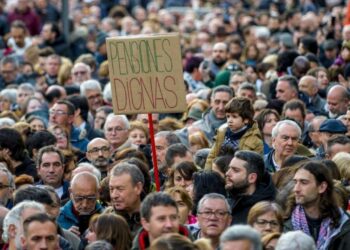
{"type": "Point", "coordinates": [99, 154]}
{"type": "Point", "coordinates": [308, 85]}
{"type": "Point", "coordinates": [84, 193]}
{"type": "Point", "coordinates": [220, 56]}
{"type": "Point", "coordinates": [337, 101]}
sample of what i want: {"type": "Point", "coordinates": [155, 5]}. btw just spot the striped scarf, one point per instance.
{"type": "Point", "coordinates": [299, 222]}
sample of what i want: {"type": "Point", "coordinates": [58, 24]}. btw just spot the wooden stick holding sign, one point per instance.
{"type": "Point", "coordinates": [146, 77]}
{"type": "Point", "coordinates": [154, 152]}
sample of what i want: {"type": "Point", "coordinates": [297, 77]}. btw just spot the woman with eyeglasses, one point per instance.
{"type": "Point", "coordinates": [266, 217]}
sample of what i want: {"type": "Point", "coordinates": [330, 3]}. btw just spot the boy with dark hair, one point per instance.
{"type": "Point", "coordinates": [240, 132]}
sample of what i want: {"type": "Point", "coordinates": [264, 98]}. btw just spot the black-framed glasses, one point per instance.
{"type": "Point", "coordinates": [81, 198]}
{"type": "Point", "coordinates": [218, 214]}
{"type": "Point", "coordinates": [263, 223]}
{"type": "Point", "coordinates": [104, 149]}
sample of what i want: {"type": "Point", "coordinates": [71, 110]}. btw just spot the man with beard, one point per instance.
{"type": "Point", "coordinates": [247, 183]}
{"type": "Point", "coordinates": [220, 55]}
{"type": "Point", "coordinates": [50, 166]}
{"type": "Point", "coordinates": [315, 211]}
{"type": "Point", "coordinates": [99, 154]}
{"type": "Point", "coordinates": [77, 212]}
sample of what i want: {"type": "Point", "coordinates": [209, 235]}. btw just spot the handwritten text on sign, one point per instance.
{"type": "Point", "coordinates": [146, 74]}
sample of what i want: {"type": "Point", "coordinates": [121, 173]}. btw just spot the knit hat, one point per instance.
{"type": "Point", "coordinates": [101, 39]}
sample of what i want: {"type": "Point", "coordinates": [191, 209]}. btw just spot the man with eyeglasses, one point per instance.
{"type": "Point", "coordinates": [80, 72]}
{"type": "Point", "coordinates": [214, 216]}
{"type": "Point", "coordinates": [77, 212]}
{"type": "Point", "coordinates": [99, 155]}
{"type": "Point", "coordinates": [62, 113]}
{"type": "Point", "coordinates": [116, 130]}
{"type": "Point", "coordinates": [50, 166]}
{"type": "Point", "coordinates": [285, 137]}
{"type": "Point", "coordinates": [92, 90]}
{"type": "Point", "coordinates": [7, 186]}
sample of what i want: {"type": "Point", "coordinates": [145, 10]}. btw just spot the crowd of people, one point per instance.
{"type": "Point", "coordinates": [260, 158]}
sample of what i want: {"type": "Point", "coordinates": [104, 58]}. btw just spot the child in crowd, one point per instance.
{"type": "Point", "coordinates": [240, 132]}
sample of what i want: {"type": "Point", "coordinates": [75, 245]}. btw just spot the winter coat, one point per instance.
{"type": "Point", "coordinates": [251, 140]}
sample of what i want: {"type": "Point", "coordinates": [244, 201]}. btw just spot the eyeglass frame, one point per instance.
{"type": "Point", "coordinates": [217, 214]}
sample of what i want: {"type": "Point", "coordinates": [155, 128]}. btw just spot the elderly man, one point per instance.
{"type": "Point", "coordinates": [91, 89]}
{"type": "Point", "coordinates": [76, 214]}
{"type": "Point", "coordinates": [287, 88]}
{"type": "Point", "coordinates": [7, 186]}
{"type": "Point", "coordinates": [50, 166]}
{"type": "Point", "coordinates": [309, 86]}
{"type": "Point", "coordinates": [81, 72]}
{"type": "Point", "coordinates": [13, 222]}
{"type": "Point", "coordinates": [240, 237]}
{"type": "Point", "coordinates": [125, 187]}
{"type": "Point", "coordinates": [144, 119]}
{"type": "Point", "coordinates": [116, 130]}
{"type": "Point", "coordinates": [337, 101]}
{"type": "Point", "coordinates": [99, 154]}
{"type": "Point", "coordinates": [214, 216]}
{"type": "Point", "coordinates": [285, 137]}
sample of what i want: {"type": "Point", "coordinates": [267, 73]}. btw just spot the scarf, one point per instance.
{"type": "Point", "coordinates": [299, 222]}
{"type": "Point", "coordinates": [232, 138]}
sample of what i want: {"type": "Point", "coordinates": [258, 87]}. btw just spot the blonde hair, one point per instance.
{"type": "Point", "coordinates": [342, 160]}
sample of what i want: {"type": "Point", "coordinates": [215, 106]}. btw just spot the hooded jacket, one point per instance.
{"type": "Point", "coordinates": [241, 204]}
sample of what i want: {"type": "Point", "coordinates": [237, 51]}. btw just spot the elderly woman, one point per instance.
{"type": "Point", "coordinates": [266, 217]}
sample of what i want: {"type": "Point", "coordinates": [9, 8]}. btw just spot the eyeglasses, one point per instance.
{"type": "Point", "coordinates": [90, 98]}
{"type": "Point", "coordinates": [79, 73]}
{"type": "Point", "coordinates": [104, 149]}
{"type": "Point", "coordinates": [81, 198]}
{"type": "Point", "coordinates": [57, 112]}
{"type": "Point", "coordinates": [218, 214]}
{"type": "Point", "coordinates": [3, 186]}
{"type": "Point", "coordinates": [264, 223]}
{"type": "Point", "coordinates": [115, 129]}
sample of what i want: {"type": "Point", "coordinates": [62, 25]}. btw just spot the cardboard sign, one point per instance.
{"type": "Point", "coordinates": [146, 74]}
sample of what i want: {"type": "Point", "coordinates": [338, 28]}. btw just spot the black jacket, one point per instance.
{"type": "Point", "coordinates": [241, 204]}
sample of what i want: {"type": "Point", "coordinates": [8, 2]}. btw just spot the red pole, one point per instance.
{"type": "Point", "coordinates": [154, 155]}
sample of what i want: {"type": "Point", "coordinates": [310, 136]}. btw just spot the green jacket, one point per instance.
{"type": "Point", "coordinates": [251, 140]}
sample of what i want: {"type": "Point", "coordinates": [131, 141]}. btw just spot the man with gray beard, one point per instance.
{"type": "Point", "coordinates": [99, 154]}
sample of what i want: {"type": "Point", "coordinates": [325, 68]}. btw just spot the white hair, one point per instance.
{"type": "Point", "coordinates": [295, 240]}
{"type": "Point", "coordinates": [276, 129]}
{"type": "Point", "coordinates": [90, 85]}
{"type": "Point", "coordinates": [6, 122]}
{"type": "Point", "coordinates": [10, 94]}
{"type": "Point", "coordinates": [107, 93]}
{"type": "Point", "coordinates": [123, 118]}
{"type": "Point", "coordinates": [13, 217]}
{"type": "Point", "coordinates": [88, 167]}
{"type": "Point", "coordinates": [242, 232]}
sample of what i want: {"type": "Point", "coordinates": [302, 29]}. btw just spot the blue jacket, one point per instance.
{"type": "Point", "coordinates": [67, 218]}
{"type": "Point", "coordinates": [78, 141]}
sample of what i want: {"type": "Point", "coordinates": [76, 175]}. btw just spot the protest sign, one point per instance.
{"type": "Point", "coordinates": [146, 74]}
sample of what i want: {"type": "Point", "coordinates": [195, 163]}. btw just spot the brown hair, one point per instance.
{"type": "Point", "coordinates": [114, 229]}
{"type": "Point", "coordinates": [198, 138]}
{"type": "Point", "coordinates": [185, 197]}
{"type": "Point", "coordinates": [242, 106]}
{"type": "Point", "coordinates": [186, 169]}
{"type": "Point", "coordinates": [264, 207]}
{"type": "Point", "coordinates": [268, 237]}
{"type": "Point", "coordinates": [170, 124]}
{"type": "Point", "coordinates": [261, 118]}
{"type": "Point", "coordinates": [140, 126]}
